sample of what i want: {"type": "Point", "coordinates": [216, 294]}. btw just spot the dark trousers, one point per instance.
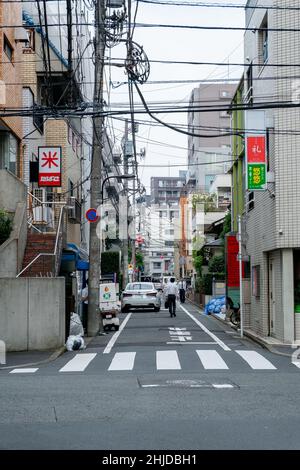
{"type": "Point", "coordinates": [182, 295]}
{"type": "Point", "coordinates": [84, 316]}
{"type": "Point", "coordinates": [172, 304]}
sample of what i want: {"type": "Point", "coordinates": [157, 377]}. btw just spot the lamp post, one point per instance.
{"type": "Point", "coordinates": [118, 177]}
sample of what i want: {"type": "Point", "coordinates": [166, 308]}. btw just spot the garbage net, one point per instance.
{"type": "Point", "coordinates": [215, 305]}
{"type": "Point", "coordinates": [76, 328]}
{"type": "Point", "coordinates": [74, 343]}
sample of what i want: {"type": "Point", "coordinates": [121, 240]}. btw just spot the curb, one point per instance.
{"type": "Point", "coordinates": [51, 358]}
{"type": "Point", "coordinates": [248, 334]}
{"type": "Point", "coordinates": [256, 339]}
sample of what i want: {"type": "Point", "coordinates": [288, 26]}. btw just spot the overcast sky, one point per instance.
{"type": "Point", "coordinates": [178, 44]}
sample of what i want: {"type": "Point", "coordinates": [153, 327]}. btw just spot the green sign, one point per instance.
{"type": "Point", "coordinates": [256, 176]}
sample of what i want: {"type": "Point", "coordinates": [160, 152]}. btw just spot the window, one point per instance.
{"type": "Point", "coordinates": [8, 151]}
{"type": "Point", "coordinates": [156, 265]}
{"type": "Point", "coordinates": [8, 49]}
{"type": "Point", "coordinates": [29, 45]}
{"type": "Point", "coordinates": [263, 41]}
{"type": "Point", "coordinates": [256, 281]}
{"type": "Point", "coordinates": [250, 201]}
{"type": "Point", "coordinates": [71, 187]}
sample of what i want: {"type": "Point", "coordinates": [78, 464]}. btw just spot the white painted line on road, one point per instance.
{"type": "Point", "coordinates": [151, 386]}
{"type": "Point", "coordinates": [122, 361]}
{"type": "Point", "coordinates": [114, 338]}
{"type": "Point", "coordinates": [222, 385]}
{"type": "Point", "coordinates": [167, 360]}
{"type": "Point", "coordinates": [190, 342]}
{"type": "Point", "coordinates": [23, 371]}
{"type": "Point", "coordinates": [79, 363]}
{"type": "Point", "coordinates": [211, 359]}
{"type": "Point", "coordinates": [256, 360]}
{"type": "Point", "coordinates": [212, 335]}
{"type": "Point", "coordinates": [296, 363]}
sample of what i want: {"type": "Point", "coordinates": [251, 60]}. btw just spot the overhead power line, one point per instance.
{"type": "Point", "coordinates": [176, 3]}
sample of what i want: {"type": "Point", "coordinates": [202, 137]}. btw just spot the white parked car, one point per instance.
{"type": "Point", "coordinates": [140, 295]}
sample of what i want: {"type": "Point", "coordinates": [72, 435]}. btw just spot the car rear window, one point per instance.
{"type": "Point", "coordinates": [139, 286]}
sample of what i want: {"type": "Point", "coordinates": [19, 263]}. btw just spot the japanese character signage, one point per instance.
{"type": "Point", "coordinates": [256, 162]}
{"type": "Point", "coordinates": [49, 166]}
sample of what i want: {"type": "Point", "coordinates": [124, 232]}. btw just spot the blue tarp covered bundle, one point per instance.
{"type": "Point", "coordinates": [215, 305]}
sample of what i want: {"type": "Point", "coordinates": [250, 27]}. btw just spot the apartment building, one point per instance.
{"type": "Point", "coordinates": [11, 129]}
{"type": "Point", "coordinates": [207, 153]}
{"type": "Point", "coordinates": [271, 216]}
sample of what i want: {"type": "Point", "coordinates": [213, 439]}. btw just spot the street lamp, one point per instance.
{"type": "Point", "coordinates": [119, 178]}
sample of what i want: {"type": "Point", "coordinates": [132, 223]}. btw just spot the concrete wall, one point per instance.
{"type": "Point", "coordinates": [12, 250]}
{"type": "Point", "coordinates": [32, 313]}
{"type": "Point", "coordinates": [12, 191]}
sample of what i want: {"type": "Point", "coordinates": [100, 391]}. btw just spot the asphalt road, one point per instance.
{"type": "Point", "coordinates": [187, 382]}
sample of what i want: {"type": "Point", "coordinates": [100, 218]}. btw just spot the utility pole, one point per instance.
{"type": "Point", "coordinates": [125, 241]}
{"type": "Point", "coordinates": [133, 260]}
{"type": "Point", "coordinates": [240, 258]}
{"type": "Point", "coordinates": [94, 319]}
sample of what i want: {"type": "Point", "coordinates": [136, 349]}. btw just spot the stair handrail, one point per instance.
{"type": "Point", "coordinates": [33, 261]}
{"type": "Point", "coordinates": [55, 246]}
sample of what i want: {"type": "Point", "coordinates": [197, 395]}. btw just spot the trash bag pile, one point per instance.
{"type": "Point", "coordinates": [75, 341]}
{"type": "Point", "coordinates": [76, 327]}
{"type": "Point", "coordinates": [216, 305]}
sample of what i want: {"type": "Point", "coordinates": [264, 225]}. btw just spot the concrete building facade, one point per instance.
{"type": "Point", "coordinates": [272, 229]}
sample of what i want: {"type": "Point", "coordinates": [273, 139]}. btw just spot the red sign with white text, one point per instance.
{"type": "Point", "coordinates": [49, 166]}
{"type": "Point", "coordinates": [256, 149]}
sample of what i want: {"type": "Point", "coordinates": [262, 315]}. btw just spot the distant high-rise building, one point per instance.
{"type": "Point", "coordinates": [207, 154]}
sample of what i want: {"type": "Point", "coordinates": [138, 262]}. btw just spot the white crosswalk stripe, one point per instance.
{"type": "Point", "coordinates": [122, 361]}
{"type": "Point", "coordinates": [256, 361]}
{"type": "Point", "coordinates": [24, 371]}
{"type": "Point", "coordinates": [79, 363]}
{"type": "Point", "coordinates": [167, 360]}
{"type": "Point", "coordinates": [211, 359]}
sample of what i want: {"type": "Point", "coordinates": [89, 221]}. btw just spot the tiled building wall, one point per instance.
{"type": "Point", "coordinates": [10, 70]}
{"type": "Point", "coordinates": [271, 215]}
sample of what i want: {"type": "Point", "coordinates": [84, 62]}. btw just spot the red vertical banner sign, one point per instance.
{"type": "Point", "coordinates": [49, 166]}
{"type": "Point", "coordinates": [232, 263]}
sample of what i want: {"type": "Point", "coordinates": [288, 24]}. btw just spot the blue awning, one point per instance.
{"type": "Point", "coordinates": [77, 254]}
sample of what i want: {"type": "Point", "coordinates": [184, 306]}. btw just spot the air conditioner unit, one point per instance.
{"type": "Point", "coordinates": [74, 210]}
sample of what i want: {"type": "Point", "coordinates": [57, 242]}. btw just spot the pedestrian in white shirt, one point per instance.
{"type": "Point", "coordinates": [172, 294]}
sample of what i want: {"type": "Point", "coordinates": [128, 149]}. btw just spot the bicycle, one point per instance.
{"type": "Point", "coordinates": [233, 313]}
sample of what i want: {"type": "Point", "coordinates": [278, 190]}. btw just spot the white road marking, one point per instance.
{"type": "Point", "coordinates": [222, 385]}
{"type": "Point", "coordinates": [23, 371]}
{"type": "Point", "coordinates": [296, 363]}
{"type": "Point", "coordinates": [116, 335]}
{"type": "Point", "coordinates": [191, 342]}
{"type": "Point", "coordinates": [79, 363]}
{"type": "Point", "coordinates": [256, 360]}
{"type": "Point", "coordinates": [167, 360]}
{"type": "Point", "coordinates": [122, 361]}
{"type": "Point", "coordinates": [212, 335]}
{"type": "Point", "coordinates": [211, 359]}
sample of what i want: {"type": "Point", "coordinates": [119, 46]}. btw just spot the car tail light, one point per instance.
{"type": "Point", "coordinates": [127, 295]}
{"type": "Point", "coordinates": [152, 294]}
